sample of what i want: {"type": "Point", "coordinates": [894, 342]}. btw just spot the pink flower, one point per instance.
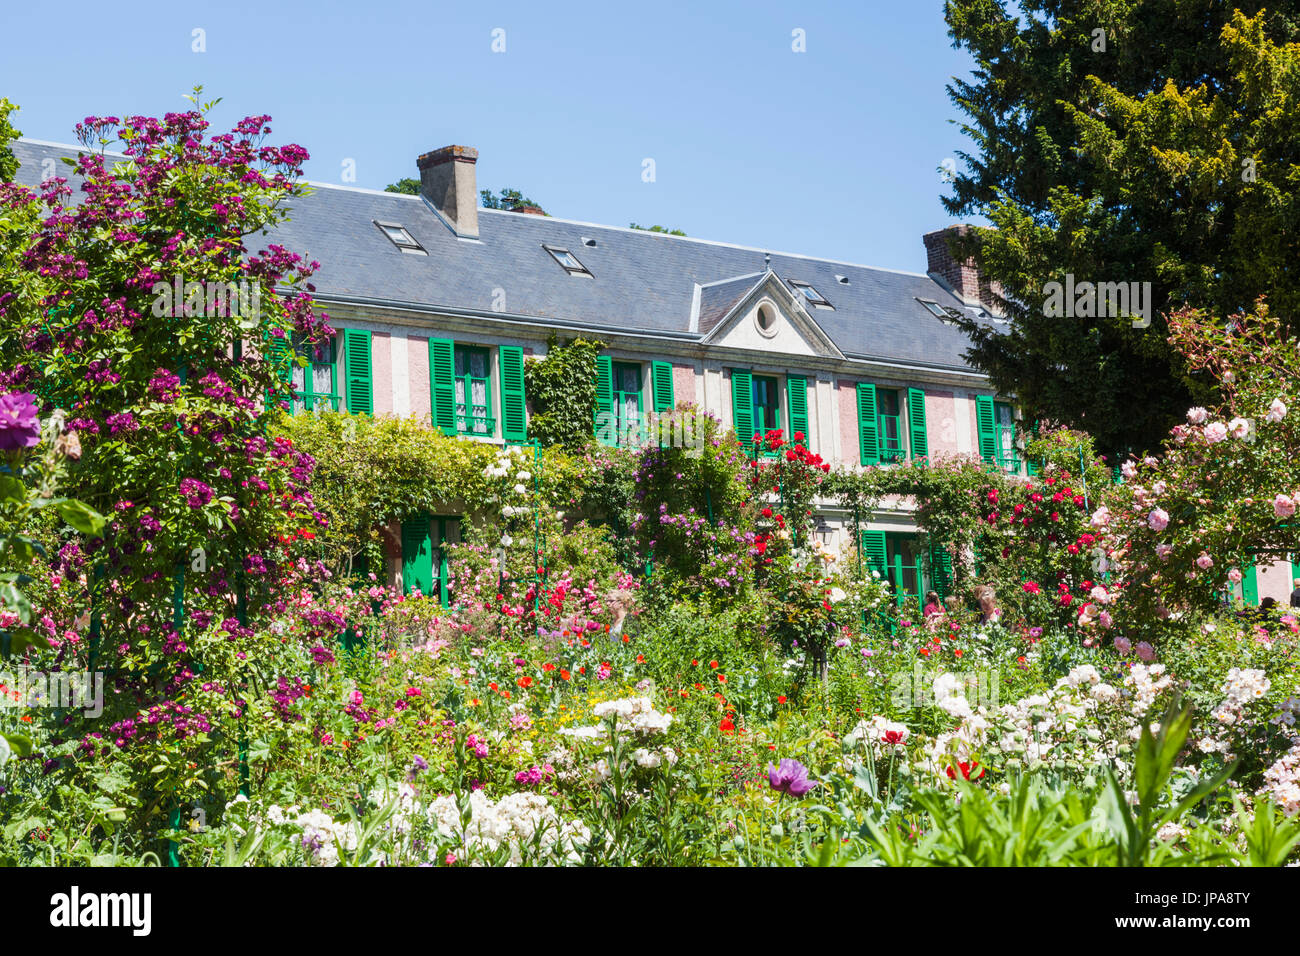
{"type": "Point", "coordinates": [1239, 428]}
{"type": "Point", "coordinates": [1105, 619]}
{"type": "Point", "coordinates": [1163, 551]}
{"type": "Point", "coordinates": [1216, 432]}
{"type": "Point", "coordinates": [1158, 519]}
{"type": "Point", "coordinates": [1128, 470]}
{"type": "Point", "coordinates": [1101, 517]}
{"type": "Point", "coordinates": [1235, 576]}
{"type": "Point", "coordinates": [1276, 411]}
{"type": "Point", "coordinates": [1146, 651]}
{"type": "Point", "coordinates": [1283, 506]}
{"type": "Point", "coordinates": [1204, 561]}
{"type": "Point", "coordinates": [1197, 415]}
{"type": "Point", "coordinates": [1123, 645]}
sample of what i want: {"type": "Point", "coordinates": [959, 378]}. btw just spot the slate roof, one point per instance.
{"type": "Point", "coordinates": [641, 281]}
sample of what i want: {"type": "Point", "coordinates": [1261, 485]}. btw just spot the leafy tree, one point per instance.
{"type": "Point", "coordinates": [663, 229]}
{"type": "Point", "coordinates": [1144, 140]}
{"type": "Point", "coordinates": [406, 186]}
{"type": "Point", "coordinates": [508, 199]}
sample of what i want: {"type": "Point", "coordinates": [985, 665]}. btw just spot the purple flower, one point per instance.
{"type": "Point", "coordinates": [791, 777]}
{"type": "Point", "coordinates": [19, 426]}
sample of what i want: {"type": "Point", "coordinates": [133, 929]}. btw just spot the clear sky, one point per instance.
{"type": "Point", "coordinates": [831, 152]}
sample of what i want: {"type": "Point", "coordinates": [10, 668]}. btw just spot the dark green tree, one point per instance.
{"type": "Point", "coordinates": [1123, 141]}
{"type": "Point", "coordinates": [508, 199]}
{"type": "Point", "coordinates": [406, 186]}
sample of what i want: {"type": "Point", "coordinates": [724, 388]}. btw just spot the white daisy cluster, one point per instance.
{"type": "Point", "coordinates": [1245, 686]}
{"type": "Point", "coordinates": [1242, 688]}
{"type": "Point", "coordinates": [635, 714]}
{"type": "Point", "coordinates": [519, 821]}
{"type": "Point", "coordinates": [1062, 724]}
{"type": "Point", "coordinates": [322, 835]}
{"type": "Point", "coordinates": [1282, 781]}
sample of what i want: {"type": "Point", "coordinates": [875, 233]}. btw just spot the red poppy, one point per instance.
{"type": "Point", "coordinates": [564, 675]}
{"type": "Point", "coordinates": [781, 699]}
{"type": "Point", "coordinates": [968, 770]}
{"type": "Point", "coordinates": [727, 726]}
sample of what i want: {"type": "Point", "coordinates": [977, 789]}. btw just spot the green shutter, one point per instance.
{"type": "Point", "coordinates": [442, 385]}
{"type": "Point", "coordinates": [941, 570]}
{"type": "Point", "coordinates": [356, 365]}
{"type": "Point", "coordinates": [280, 354]}
{"type": "Point", "coordinates": [1033, 469]}
{"type": "Point", "coordinates": [661, 386]}
{"type": "Point", "coordinates": [742, 406]}
{"type": "Point", "coordinates": [873, 552]}
{"type": "Point", "coordinates": [984, 421]}
{"type": "Point", "coordinates": [514, 416]}
{"type": "Point", "coordinates": [916, 423]}
{"type": "Point", "coordinates": [604, 417]}
{"type": "Point", "coordinates": [417, 556]}
{"type": "Point", "coordinates": [868, 425]}
{"type": "Point", "coordinates": [796, 391]}
{"type": "Point", "coordinates": [1250, 587]}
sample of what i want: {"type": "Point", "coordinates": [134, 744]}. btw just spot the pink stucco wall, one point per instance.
{"type": "Point", "coordinates": [1275, 581]}
{"type": "Point", "coordinates": [417, 353]}
{"type": "Point", "coordinates": [941, 423]}
{"type": "Point", "coordinates": [846, 400]}
{"type": "Point", "coordinates": [381, 367]}
{"type": "Point", "coordinates": [683, 383]}
{"type": "Point", "coordinates": [974, 426]}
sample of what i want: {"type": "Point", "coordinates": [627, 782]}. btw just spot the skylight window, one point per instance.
{"type": "Point", "coordinates": [938, 311]}
{"type": "Point", "coordinates": [814, 297]}
{"type": "Point", "coordinates": [399, 237]}
{"type": "Point", "coordinates": [568, 261]}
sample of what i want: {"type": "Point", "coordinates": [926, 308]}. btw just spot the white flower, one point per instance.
{"type": "Point", "coordinates": [1239, 427]}
{"type": "Point", "coordinates": [647, 758]}
{"type": "Point", "coordinates": [1276, 411]}
{"type": "Point", "coordinates": [520, 489]}
{"type": "Point", "coordinates": [837, 595]}
{"type": "Point", "coordinates": [1197, 415]}
{"type": "Point", "coordinates": [506, 541]}
{"type": "Point", "coordinates": [5, 750]}
{"type": "Point", "coordinates": [1101, 517]}
{"type": "Point", "coordinates": [1128, 469]}
{"type": "Point", "coordinates": [1216, 432]}
{"type": "Point", "coordinates": [523, 476]}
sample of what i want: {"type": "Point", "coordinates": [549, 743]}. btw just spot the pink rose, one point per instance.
{"type": "Point", "coordinates": [1105, 619]}
{"type": "Point", "coordinates": [1276, 411]}
{"type": "Point", "coordinates": [1234, 576]}
{"type": "Point", "coordinates": [1197, 415]}
{"type": "Point", "coordinates": [1158, 519]}
{"type": "Point", "coordinates": [1239, 428]}
{"type": "Point", "coordinates": [1146, 651]}
{"type": "Point", "coordinates": [1283, 506]}
{"type": "Point", "coordinates": [1216, 432]}
{"type": "Point", "coordinates": [1163, 551]}
{"type": "Point", "coordinates": [1204, 561]}
{"type": "Point", "coordinates": [1123, 645]}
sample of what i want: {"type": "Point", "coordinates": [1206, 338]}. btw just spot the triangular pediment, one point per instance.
{"type": "Point", "coordinates": [758, 312]}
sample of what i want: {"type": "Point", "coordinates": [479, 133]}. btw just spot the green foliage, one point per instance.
{"type": "Point", "coordinates": [1164, 157]}
{"type": "Point", "coordinates": [663, 229]}
{"type": "Point", "coordinates": [406, 186]}
{"type": "Point", "coordinates": [372, 471]}
{"type": "Point", "coordinates": [508, 199]}
{"type": "Point", "coordinates": [561, 390]}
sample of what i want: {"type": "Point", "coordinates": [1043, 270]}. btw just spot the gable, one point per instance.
{"type": "Point", "coordinates": [768, 318]}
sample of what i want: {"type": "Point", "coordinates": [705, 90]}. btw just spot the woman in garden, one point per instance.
{"type": "Point", "coordinates": [989, 611]}
{"type": "Point", "coordinates": [932, 613]}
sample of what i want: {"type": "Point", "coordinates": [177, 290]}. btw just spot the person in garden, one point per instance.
{"type": "Point", "coordinates": [932, 605]}
{"type": "Point", "coordinates": [1295, 594]}
{"type": "Point", "coordinates": [987, 598]}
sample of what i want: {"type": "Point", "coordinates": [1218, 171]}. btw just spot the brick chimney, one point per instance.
{"type": "Point", "coordinates": [963, 278]}
{"type": "Point", "coordinates": [447, 180]}
{"type": "Point", "coordinates": [530, 210]}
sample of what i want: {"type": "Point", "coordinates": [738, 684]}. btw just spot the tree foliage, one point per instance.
{"type": "Point", "coordinates": [1124, 142]}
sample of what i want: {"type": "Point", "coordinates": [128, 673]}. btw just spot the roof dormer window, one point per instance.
{"type": "Point", "coordinates": [399, 237]}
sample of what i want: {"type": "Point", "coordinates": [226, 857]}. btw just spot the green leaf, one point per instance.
{"type": "Point", "coordinates": [80, 516]}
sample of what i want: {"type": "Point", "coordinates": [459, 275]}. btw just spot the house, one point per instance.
{"type": "Point", "coordinates": [439, 304]}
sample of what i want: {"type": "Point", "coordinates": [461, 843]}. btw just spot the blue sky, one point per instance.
{"type": "Point", "coordinates": [831, 152]}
